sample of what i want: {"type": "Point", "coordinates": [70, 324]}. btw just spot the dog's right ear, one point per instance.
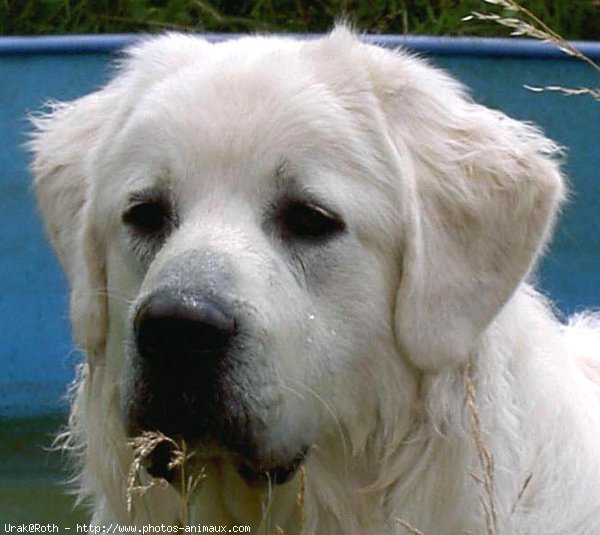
{"type": "Point", "coordinates": [62, 144]}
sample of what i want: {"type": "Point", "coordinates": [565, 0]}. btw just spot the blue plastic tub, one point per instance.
{"type": "Point", "coordinates": [36, 355]}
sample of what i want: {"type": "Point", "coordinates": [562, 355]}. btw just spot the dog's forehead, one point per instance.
{"type": "Point", "coordinates": [223, 127]}
{"type": "Point", "coordinates": [240, 115]}
{"type": "Point", "coordinates": [232, 110]}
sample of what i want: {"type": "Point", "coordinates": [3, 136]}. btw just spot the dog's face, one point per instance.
{"type": "Point", "coordinates": [268, 239]}
{"type": "Point", "coordinates": [239, 234]}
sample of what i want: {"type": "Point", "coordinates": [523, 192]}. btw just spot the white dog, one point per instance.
{"type": "Point", "coordinates": [308, 260]}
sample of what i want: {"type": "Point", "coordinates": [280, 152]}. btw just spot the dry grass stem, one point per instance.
{"type": "Point", "coordinates": [408, 527]}
{"type": "Point", "coordinates": [142, 446]}
{"type": "Point", "coordinates": [522, 490]}
{"type": "Point", "coordinates": [486, 458]}
{"type": "Point", "coordinates": [569, 91]}
{"type": "Point", "coordinates": [534, 27]}
{"type": "Point", "coordinates": [300, 500]}
{"type": "Point", "coordinates": [189, 479]}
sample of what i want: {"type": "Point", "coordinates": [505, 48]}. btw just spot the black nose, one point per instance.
{"type": "Point", "coordinates": [171, 328]}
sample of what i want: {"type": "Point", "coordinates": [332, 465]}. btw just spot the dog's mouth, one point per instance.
{"type": "Point", "coordinates": [163, 463]}
{"type": "Point", "coordinates": [276, 474]}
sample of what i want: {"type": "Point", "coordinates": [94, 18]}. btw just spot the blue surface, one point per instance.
{"type": "Point", "coordinates": [36, 355]}
{"type": "Point", "coordinates": [472, 46]}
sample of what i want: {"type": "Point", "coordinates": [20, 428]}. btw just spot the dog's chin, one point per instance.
{"type": "Point", "coordinates": [255, 472]}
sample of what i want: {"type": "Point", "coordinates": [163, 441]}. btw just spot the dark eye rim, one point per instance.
{"type": "Point", "coordinates": [149, 213]}
{"type": "Point", "coordinates": [309, 221]}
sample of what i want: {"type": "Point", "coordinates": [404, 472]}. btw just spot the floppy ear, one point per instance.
{"type": "Point", "coordinates": [483, 191]}
{"type": "Point", "coordinates": [62, 145]}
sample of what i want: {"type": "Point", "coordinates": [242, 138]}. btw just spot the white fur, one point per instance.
{"type": "Point", "coordinates": [448, 205]}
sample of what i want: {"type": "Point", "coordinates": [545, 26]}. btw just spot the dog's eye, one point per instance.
{"type": "Point", "coordinates": [307, 221]}
{"type": "Point", "coordinates": [148, 217]}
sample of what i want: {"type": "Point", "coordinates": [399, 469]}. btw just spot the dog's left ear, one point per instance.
{"type": "Point", "coordinates": [482, 191]}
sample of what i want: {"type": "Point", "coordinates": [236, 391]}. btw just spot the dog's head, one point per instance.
{"type": "Point", "coordinates": [258, 234]}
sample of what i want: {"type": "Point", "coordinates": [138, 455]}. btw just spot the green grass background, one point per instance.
{"type": "Point", "coordinates": [32, 476]}
{"type": "Point", "coordinates": [573, 19]}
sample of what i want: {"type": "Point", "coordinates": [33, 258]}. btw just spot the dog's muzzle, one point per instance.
{"type": "Point", "coordinates": [190, 362]}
